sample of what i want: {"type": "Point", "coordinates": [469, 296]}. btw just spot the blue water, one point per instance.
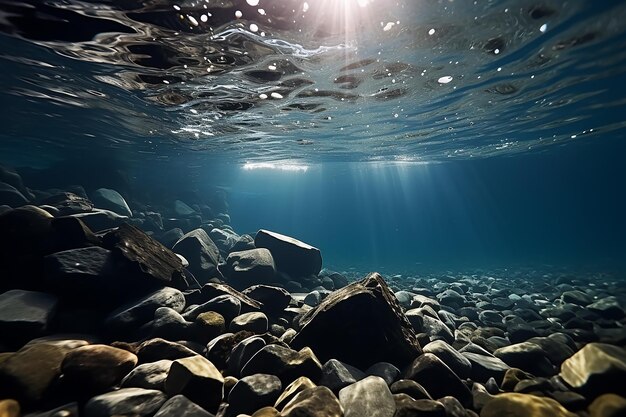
{"type": "Point", "coordinates": [395, 136]}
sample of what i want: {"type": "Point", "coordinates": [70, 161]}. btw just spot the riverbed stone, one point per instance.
{"type": "Point", "coordinates": [285, 363]}
{"type": "Point", "coordinates": [93, 368]}
{"type": "Point", "coordinates": [360, 324]}
{"type": "Point", "coordinates": [181, 406]}
{"type": "Point", "coordinates": [25, 315]}
{"type": "Point", "coordinates": [197, 379]}
{"type": "Point", "coordinates": [293, 257]}
{"type": "Point", "coordinates": [313, 402]}
{"type": "Point", "coordinates": [367, 397]}
{"type": "Point", "coordinates": [596, 368]}
{"type": "Point", "coordinates": [201, 253]}
{"type": "Point", "coordinates": [109, 199]}
{"type": "Point", "coordinates": [249, 267]}
{"type": "Point", "coordinates": [523, 405]}
{"type": "Point", "coordinates": [253, 392]}
{"type": "Point", "coordinates": [137, 402]}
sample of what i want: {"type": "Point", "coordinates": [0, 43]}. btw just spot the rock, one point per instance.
{"type": "Point", "coordinates": [528, 357]}
{"type": "Point", "coordinates": [225, 240]}
{"type": "Point", "coordinates": [436, 329]}
{"type": "Point", "coordinates": [226, 305]}
{"type": "Point", "coordinates": [608, 307]}
{"type": "Point", "coordinates": [361, 324]}
{"type": "Point", "coordinates": [273, 299]}
{"type": "Point", "coordinates": [183, 210]}
{"type": "Point", "coordinates": [480, 396]}
{"type": "Point", "coordinates": [10, 196]}
{"type": "Point", "coordinates": [27, 374]}
{"type": "Point", "coordinates": [453, 407]}
{"type": "Point", "coordinates": [490, 318]}
{"type": "Point", "coordinates": [146, 257]}
{"type": "Point", "coordinates": [608, 405]}
{"type": "Point", "coordinates": [385, 370]}
{"type": "Point", "coordinates": [313, 299]}
{"type": "Point", "coordinates": [150, 375]}
{"type": "Point", "coordinates": [266, 412]}
{"type": "Point", "coordinates": [213, 290]}
{"type": "Point", "coordinates": [576, 297]}
{"type": "Point", "coordinates": [451, 298]}
{"type": "Point", "coordinates": [337, 375]}
{"type": "Point", "coordinates": [292, 390]}
{"type": "Point", "coordinates": [181, 406]}
{"type": "Point", "coordinates": [313, 402]}
{"type": "Point", "coordinates": [243, 352]}
{"type": "Point", "coordinates": [557, 346]}
{"type": "Point", "coordinates": [485, 367]}
{"type": "Point", "coordinates": [94, 368]}
{"type": "Point", "coordinates": [172, 236]}
{"type": "Point", "coordinates": [409, 407]}
{"type": "Point", "coordinates": [595, 369]}
{"type": "Point", "coordinates": [127, 401]}
{"type": "Point", "coordinates": [523, 405]}
{"type": "Point", "coordinates": [368, 397]}
{"type": "Point", "coordinates": [9, 408]}
{"type": "Point", "coordinates": [448, 355]}
{"type": "Point", "coordinates": [108, 199]}
{"type": "Point", "coordinates": [220, 348]}
{"type": "Point", "coordinates": [437, 378]}
{"type": "Point", "coordinates": [246, 268]}
{"type": "Point", "coordinates": [136, 313]}
{"type": "Point", "coordinates": [67, 203]}
{"type": "Point", "coordinates": [255, 322]}
{"type": "Point", "coordinates": [11, 177]}
{"type": "Point", "coordinates": [244, 242]}
{"type": "Point", "coordinates": [293, 257]}
{"type": "Point", "coordinates": [512, 377]}
{"type": "Point", "coordinates": [169, 325]}
{"type": "Point", "coordinates": [411, 388]}
{"type": "Point", "coordinates": [99, 220]}
{"type": "Point", "coordinates": [197, 379]}
{"type": "Point", "coordinates": [201, 253]}
{"type": "Point", "coordinates": [157, 349]}
{"type": "Point", "coordinates": [285, 363]}
{"type": "Point", "coordinates": [25, 315]}
{"type": "Point", "coordinates": [210, 325]}
{"type": "Point", "coordinates": [253, 392]}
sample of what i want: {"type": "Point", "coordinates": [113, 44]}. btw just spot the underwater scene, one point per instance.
{"type": "Point", "coordinates": [321, 208]}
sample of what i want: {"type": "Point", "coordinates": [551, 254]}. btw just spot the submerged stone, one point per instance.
{"type": "Point", "coordinates": [596, 368]}
{"type": "Point", "coordinates": [109, 199]}
{"type": "Point", "coordinates": [292, 256]}
{"type": "Point", "coordinates": [360, 324]}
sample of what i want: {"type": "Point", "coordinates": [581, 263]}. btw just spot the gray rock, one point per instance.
{"type": "Point", "coordinates": [453, 407]}
{"type": "Point", "coordinates": [25, 315]}
{"type": "Point", "coordinates": [172, 236]}
{"type": "Point", "coordinates": [136, 313]}
{"type": "Point", "coordinates": [150, 375]}
{"type": "Point", "coordinates": [127, 401]}
{"type": "Point", "coordinates": [411, 388]}
{"type": "Point", "coordinates": [181, 406]}
{"type": "Point", "coordinates": [243, 352]}
{"type": "Point", "coordinates": [201, 253]}
{"type": "Point", "coordinates": [99, 220]}
{"type": "Point", "coordinates": [408, 407]}
{"type": "Point", "coordinates": [528, 357]}
{"type": "Point", "coordinates": [169, 325]}
{"type": "Point", "coordinates": [293, 257]}
{"type": "Point", "coordinates": [313, 299]}
{"type": "Point", "coordinates": [576, 297]}
{"type": "Point", "coordinates": [485, 367]}
{"type": "Point", "coordinates": [183, 210]}
{"type": "Point", "coordinates": [273, 299]}
{"type": "Point", "coordinates": [197, 379]}
{"type": "Point", "coordinates": [224, 239]}
{"type": "Point", "coordinates": [250, 267]}
{"type": "Point", "coordinates": [368, 397]}
{"type": "Point", "coordinates": [608, 308]}
{"type": "Point", "coordinates": [437, 378]}
{"type": "Point", "coordinates": [436, 329]}
{"type": "Point", "coordinates": [10, 196]}
{"type": "Point", "coordinates": [226, 305]}
{"type": "Point", "coordinates": [109, 199]}
{"type": "Point", "coordinates": [158, 349]}
{"type": "Point", "coordinates": [455, 361]}
{"type": "Point", "coordinates": [337, 375]}
{"type": "Point", "coordinates": [285, 363]}
{"type": "Point", "coordinates": [255, 322]}
{"type": "Point", "coordinates": [253, 392]}
{"type": "Point", "coordinates": [385, 370]}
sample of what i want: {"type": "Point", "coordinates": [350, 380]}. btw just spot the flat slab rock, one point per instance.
{"type": "Point", "coordinates": [360, 324]}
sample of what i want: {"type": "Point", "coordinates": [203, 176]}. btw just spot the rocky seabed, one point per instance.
{"type": "Point", "coordinates": [116, 309]}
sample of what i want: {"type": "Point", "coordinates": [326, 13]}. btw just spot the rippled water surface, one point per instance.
{"type": "Point", "coordinates": [264, 81]}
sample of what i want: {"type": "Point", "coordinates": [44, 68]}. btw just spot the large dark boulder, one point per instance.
{"type": "Point", "coordinates": [67, 203]}
{"type": "Point", "coordinates": [292, 256]}
{"type": "Point", "coordinates": [360, 324]}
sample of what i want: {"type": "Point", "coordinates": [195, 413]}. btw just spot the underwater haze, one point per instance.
{"type": "Point", "coordinates": [396, 136]}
